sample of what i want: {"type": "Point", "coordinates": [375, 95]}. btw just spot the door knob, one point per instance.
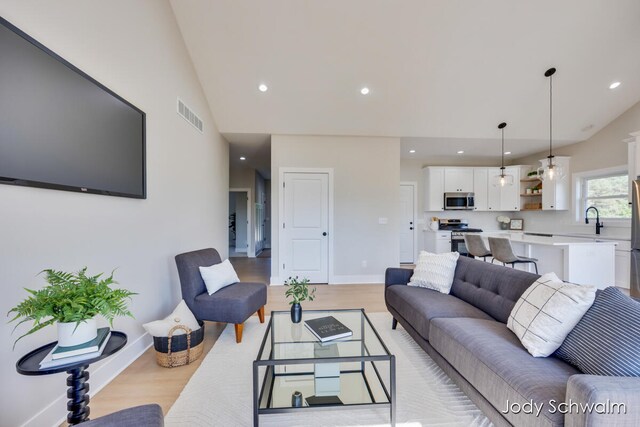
{"type": "Point", "coordinates": [324, 234]}
{"type": "Point", "coordinates": [410, 228]}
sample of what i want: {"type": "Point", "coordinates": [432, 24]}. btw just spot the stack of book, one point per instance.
{"type": "Point", "coordinates": [59, 356]}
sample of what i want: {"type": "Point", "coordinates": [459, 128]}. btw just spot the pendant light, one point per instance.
{"type": "Point", "coordinates": [552, 171]}
{"type": "Point", "coordinates": [502, 179]}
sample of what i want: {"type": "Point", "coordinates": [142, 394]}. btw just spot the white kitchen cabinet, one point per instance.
{"type": "Point", "coordinates": [437, 242]}
{"type": "Point", "coordinates": [505, 198]}
{"type": "Point", "coordinates": [510, 194]}
{"type": "Point", "coordinates": [433, 188]}
{"type": "Point", "coordinates": [556, 193]}
{"type": "Point", "coordinates": [493, 191]}
{"type": "Point", "coordinates": [458, 180]}
{"type": "Point", "coordinates": [481, 188]}
{"type": "Point", "coordinates": [623, 264]}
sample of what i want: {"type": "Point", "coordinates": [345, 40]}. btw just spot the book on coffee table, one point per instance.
{"type": "Point", "coordinates": [323, 400]}
{"type": "Point", "coordinates": [327, 328]}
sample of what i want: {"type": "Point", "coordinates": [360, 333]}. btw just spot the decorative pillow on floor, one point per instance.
{"type": "Point", "coordinates": [180, 316]}
{"type": "Point", "coordinates": [218, 276]}
{"type": "Point", "coordinates": [607, 339]}
{"type": "Point", "coordinates": [435, 271]}
{"type": "Point", "coordinates": [547, 311]}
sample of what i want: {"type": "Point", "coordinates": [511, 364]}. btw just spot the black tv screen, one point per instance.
{"type": "Point", "coordinates": [61, 129]}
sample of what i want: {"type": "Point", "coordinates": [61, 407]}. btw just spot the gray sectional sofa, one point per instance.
{"type": "Point", "coordinates": [465, 332]}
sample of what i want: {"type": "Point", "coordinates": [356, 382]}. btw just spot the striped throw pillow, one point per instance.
{"type": "Point", "coordinates": [606, 341]}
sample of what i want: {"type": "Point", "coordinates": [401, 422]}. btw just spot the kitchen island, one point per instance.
{"type": "Point", "coordinates": [575, 260]}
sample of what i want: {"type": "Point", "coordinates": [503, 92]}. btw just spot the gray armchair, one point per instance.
{"type": "Point", "coordinates": [232, 304]}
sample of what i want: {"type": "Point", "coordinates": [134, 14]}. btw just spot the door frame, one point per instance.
{"type": "Point", "coordinates": [413, 184]}
{"type": "Point", "coordinates": [251, 251]}
{"type": "Point", "coordinates": [281, 172]}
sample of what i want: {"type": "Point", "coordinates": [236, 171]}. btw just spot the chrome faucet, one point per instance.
{"type": "Point", "coordinates": [599, 225]}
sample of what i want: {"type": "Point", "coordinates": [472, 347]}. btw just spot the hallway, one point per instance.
{"type": "Point", "coordinates": [252, 269]}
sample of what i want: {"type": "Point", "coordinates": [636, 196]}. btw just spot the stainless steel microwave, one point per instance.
{"type": "Point", "coordinates": [458, 201]}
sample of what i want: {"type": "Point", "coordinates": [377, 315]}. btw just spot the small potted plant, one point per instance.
{"type": "Point", "coordinates": [72, 300]}
{"type": "Point", "coordinates": [503, 221]}
{"type": "Point", "coordinates": [298, 290]}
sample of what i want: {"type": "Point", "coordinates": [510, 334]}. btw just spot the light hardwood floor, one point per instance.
{"type": "Point", "coordinates": [146, 382]}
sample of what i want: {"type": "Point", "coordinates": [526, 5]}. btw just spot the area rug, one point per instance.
{"type": "Point", "coordinates": [219, 393]}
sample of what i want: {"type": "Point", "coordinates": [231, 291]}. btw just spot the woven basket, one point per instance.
{"type": "Point", "coordinates": [179, 350]}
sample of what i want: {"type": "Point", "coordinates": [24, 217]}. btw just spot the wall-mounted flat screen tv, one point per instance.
{"type": "Point", "coordinates": [61, 129]}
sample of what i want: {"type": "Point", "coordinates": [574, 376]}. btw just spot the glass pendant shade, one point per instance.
{"type": "Point", "coordinates": [503, 179]}
{"type": "Point", "coordinates": [551, 171]}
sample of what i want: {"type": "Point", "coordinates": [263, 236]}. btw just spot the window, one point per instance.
{"type": "Point", "coordinates": [608, 193]}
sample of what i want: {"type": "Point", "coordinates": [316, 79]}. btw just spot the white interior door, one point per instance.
{"type": "Point", "coordinates": [305, 227]}
{"type": "Point", "coordinates": [407, 224]}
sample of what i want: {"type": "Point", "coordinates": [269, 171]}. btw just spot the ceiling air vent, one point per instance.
{"type": "Point", "coordinates": [189, 115]}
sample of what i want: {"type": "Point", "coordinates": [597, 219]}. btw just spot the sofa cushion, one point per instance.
{"type": "Point", "coordinates": [492, 288]}
{"type": "Point", "coordinates": [492, 359]}
{"type": "Point", "coordinates": [607, 339]}
{"type": "Point", "coordinates": [232, 304]}
{"type": "Point", "coordinates": [419, 305]}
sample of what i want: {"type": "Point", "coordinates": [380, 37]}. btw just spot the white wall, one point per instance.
{"type": "Point", "coordinates": [605, 149]}
{"type": "Point", "coordinates": [134, 48]}
{"type": "Point", "coordinates": [366, 187]}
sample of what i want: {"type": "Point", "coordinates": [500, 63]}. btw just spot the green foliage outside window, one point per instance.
{"type": "Point", "coordinates": [609, 195]}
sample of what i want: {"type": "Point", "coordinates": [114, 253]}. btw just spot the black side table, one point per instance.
{"type": "Point", "coordinates": [78, 404]}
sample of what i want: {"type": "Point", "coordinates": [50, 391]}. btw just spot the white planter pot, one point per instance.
{"type": "Point", "coordinates": [70, 335]}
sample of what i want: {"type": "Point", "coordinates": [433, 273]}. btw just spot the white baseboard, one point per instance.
{"type": "Point", "coordinates": [276, 281]}
{"type": "Point", "coordinates": [104, 372]}
{"type": "Point", "coordinates": [241, 249]}
{"type": "Point", "coordinates": [356, 279]}
{"type": "Point", "coordinates": [347, 279]}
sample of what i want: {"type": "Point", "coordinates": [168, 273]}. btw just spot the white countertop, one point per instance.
{"type": "Point", "coordinates": [555, 240]}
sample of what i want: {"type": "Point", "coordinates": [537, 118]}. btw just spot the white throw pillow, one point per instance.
{"type": "Point", "coordinates": [180, 316]}
{"type": "Point", "coordinates": [435, 271]}
{"type": "Point", "coordinates": [218, 276]}
{"type": "Point", "coordinates": [547, 311]}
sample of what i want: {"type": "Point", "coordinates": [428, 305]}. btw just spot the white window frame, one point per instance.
{"type": "Point", "coordinates": [579, 182]}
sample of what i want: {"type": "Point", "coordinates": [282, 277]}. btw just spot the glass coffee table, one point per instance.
{"type": "Point", "coordinates": [294, 371]}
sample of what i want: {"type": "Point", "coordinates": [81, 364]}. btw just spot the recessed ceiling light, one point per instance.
{"type": "Point", "coordinates": [506, 153]}
{"type": "Point", "coordinates": [461, 152]}
{"type": "Point", "coordinates": [243, 158]}
{"type": "Point", "coordinates": [263, 88]}
{"type": "Point", "coordinates": [412, 151]}
{"type": "Point", "coordinates": [364, 90]}
{"type": "Point", "coordinates": [614, 85]}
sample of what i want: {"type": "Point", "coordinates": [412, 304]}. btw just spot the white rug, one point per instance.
{"type": "Point", "coordinates": [220, 392]}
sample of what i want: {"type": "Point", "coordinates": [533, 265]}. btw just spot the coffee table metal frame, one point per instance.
{"type": "Point", "coordinates": [271, 363]}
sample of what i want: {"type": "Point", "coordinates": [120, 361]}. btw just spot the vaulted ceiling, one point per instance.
{"type": "Point", "coordinates": [437, 70]}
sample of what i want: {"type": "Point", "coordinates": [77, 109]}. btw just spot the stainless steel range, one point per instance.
{"type": "Point", "coordinates": [458, 228]}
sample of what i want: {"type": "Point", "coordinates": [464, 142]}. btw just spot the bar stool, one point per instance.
{"type": "Point", "coordinates": [476, 247]}
{"type": "Point", "coordinates": [503, 251]}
